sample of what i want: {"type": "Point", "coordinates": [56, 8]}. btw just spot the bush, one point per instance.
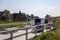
{"type": "Point", "coordinates": [44, 36]}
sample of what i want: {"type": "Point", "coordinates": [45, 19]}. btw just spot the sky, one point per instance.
{"type": "Point", "coordinates": [37, 7]}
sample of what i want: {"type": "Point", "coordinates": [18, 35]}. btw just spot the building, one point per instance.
{"type": "Point", "coordinates": [5, 15]}
{"type": "Point", "coordinates": [19, 16]}
{"type": "Point", "coordinates": [36, 21]}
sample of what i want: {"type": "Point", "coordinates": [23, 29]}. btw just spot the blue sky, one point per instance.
{"type": "Point", "coordinates": [37, 7]}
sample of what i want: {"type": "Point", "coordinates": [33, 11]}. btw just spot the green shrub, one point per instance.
{"type": "Point", "coordinates": [44, 36]}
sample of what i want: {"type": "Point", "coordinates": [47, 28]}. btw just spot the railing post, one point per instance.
{"type": "Point", "coordinates": [54, 26]}
{"type": "Point", "coordinates": [11, 35]}
{"type": "Point", "coordinates": [35, 33]}
{"type": "Point", "coordinates": [26, 34]}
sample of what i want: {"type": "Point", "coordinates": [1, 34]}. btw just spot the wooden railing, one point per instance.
{"type": "Point", "coordinates": [17, 29]}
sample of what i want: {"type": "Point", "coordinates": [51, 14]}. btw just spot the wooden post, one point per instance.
{"type": "Point", "coordinates": [26, 34]}
{"type": "Point", "coordinates": [54, 22]}
{"type": "Point", "coordinates": [35, 33]}
{"type": "Point", "coordinates": [11, 35]}
{"type": "Point", "coordinates": [54, 25]}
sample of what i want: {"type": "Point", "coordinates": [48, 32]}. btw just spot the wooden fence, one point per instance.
{"type": "Point", "coordinates": [17, 29]}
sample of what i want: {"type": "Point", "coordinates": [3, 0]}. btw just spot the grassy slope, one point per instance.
{"type": "Point", "coordinates": [57, 32]}
{"type": "Point", "coordinates": [51, 35]}
{"type": "Point", "coordinates": [12, 23]}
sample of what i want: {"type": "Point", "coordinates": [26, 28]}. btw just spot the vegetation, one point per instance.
{"type": "Point", "coordinates": [43, 36]}
{"type": "Point", "coordinates": [11, 24]}
{"type": "Point", "coordinates": [51, 35]}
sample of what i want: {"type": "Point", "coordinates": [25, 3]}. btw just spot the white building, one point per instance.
{"type": "Point", "coordinates": [36, 21]}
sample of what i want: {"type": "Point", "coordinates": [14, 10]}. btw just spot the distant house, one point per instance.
{"type": "Point", "coordinates": [19, 16]}
{"type": "Point", "coordinates": [15, 16]}
{"type": "Point", "coordinates": [5, 15]}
